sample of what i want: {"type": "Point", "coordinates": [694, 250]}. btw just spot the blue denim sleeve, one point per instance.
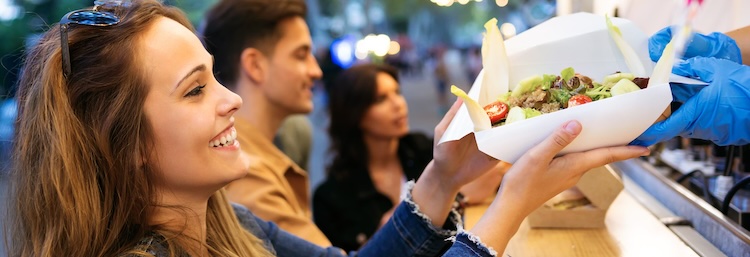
{"type": "Point", "coordinates": [410, 233]}
{"type": "Point", "coordinates": [468, 245]}
{"type": "Point", "coordinates": [407, 233]}
{"type": "Point", "coordinates": [278, 241]}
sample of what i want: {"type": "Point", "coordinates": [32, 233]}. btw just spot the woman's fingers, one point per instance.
{"type": "Point", "coordinates": [585, 161]}
{"type": "Point", "coordinates": [553, 144]}
{"type": "Point", "coordinates": [443, 125]}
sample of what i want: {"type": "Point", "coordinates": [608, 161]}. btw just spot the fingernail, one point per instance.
{"type": "Point", "coordinates": [646, 152]}
{"type": "Point", "coordinates": [573, 127]}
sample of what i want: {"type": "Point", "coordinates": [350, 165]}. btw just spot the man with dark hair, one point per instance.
{"type": "Point", "coordinates": [263, 52]}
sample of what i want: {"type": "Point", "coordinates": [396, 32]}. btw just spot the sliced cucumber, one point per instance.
{"type": "Point", "coordinates": [515, 114]}
{"type": "Point", "coordinates": [531, 113]}
{"type": "Point", "coordinates": [610, 80]}
{"type": "Point", "coordinates": [624, 86]}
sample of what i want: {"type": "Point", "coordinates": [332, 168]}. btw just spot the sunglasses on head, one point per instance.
{"type": "Point", "coordinates": [95, 17]}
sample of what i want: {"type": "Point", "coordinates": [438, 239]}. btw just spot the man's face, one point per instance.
{"type": "Point", "coordinates": [292, 69]}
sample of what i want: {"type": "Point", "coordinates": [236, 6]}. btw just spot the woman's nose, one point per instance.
{"type": "Point", "coordinates": [228, 101]}
{"type": "Point", "coordinates": [398, 102]}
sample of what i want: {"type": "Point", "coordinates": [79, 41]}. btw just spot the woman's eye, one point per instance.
{"type": "Point", "coordinates": [196, 91]}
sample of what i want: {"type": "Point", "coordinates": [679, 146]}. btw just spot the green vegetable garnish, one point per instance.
{"type": "Point", "coordinates": [624, 86]}
{"type": "Point", "coordinates": [612, 79]}
{"type": "Point", "coordinates": [560, 95]}
{"type": "Point", "coordinates": [567, 73]}
{"type": "Point", "coordinates": [504, 97]}
{"type": "Point", "coordinates": [527, 85]}
{"type": "Point", "coordinates": [531, 113]}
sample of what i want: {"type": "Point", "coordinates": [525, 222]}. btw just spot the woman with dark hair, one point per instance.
{"type": "Point", "coordinates": [374, 155]}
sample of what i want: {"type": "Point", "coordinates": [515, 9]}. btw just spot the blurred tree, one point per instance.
{"type": "Point", "coordinates": [332, 7]}
{"type": "Point", "coordinates": [194, 9]}
{"type": "Point", "coordinates": [422, 20]}
{"type": "Point", "coordinates": [398, 12]}
{"type": "Point", "coordinates": [36, 16]}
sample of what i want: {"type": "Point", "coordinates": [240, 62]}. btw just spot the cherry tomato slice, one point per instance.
{"type": "Point", "coordinates": [578, 100]}
{"type": "Point", "coordinates": [497, 111]}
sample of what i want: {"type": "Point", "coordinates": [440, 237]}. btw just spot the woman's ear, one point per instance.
{"type": "Point", "coordinates": [140, 160]}
{"type": "Point", "coordinates": [253, 65]}
{"type": "Point", "coordinates": [141, 157]}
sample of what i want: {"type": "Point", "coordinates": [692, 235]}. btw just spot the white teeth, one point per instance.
{"type": "Point", "coordinates": [225, 140]}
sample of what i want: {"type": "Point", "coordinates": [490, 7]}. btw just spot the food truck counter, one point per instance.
{"type": "Point", "coordinates": [637, 224]}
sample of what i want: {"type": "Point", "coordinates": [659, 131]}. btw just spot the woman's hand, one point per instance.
{"type": "Point", "coordinates": [485, 187]}
{"type": "Point", "coordinates": [538, 176]}
{"type": "Point", "coordinates": [455, 164]}
{"type": "Point", "coordinates": [459, 162]}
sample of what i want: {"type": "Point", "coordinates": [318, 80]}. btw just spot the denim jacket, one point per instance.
{"type": "Point", "coordinates": [408, 233]}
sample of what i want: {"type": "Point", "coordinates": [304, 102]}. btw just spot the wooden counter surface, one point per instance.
{"type": "Point", "coordinates": [631, 231]}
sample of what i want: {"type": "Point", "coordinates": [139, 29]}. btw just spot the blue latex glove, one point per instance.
{"type": "Point", "coordinates": [720, 112]}
{"type": "Point", "coordinates": [715, 45]}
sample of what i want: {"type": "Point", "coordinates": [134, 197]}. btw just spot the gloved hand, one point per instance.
{"type": "Point", "coordinates": [719, 112]}
{"type": "Point", "coordinates": [715, 45]}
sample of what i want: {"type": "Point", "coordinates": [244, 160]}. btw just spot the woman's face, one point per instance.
{"type": "Point", "coordinates": [388, 116]}
{"type": "Point", "coordinates": [190, 113]}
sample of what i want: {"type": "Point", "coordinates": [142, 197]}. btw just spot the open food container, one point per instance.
{"type": "Point", "coordinates": [581, 41]}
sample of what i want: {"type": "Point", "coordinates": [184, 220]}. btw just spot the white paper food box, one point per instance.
{"type": "Point", "coordinates": [580, 41]}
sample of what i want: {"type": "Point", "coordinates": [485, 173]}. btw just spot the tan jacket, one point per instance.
{"type": "Point", "coordinates": [275, 188]}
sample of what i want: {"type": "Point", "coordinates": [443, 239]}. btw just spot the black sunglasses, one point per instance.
{"type": "Point", "coordinates": [89, 18]}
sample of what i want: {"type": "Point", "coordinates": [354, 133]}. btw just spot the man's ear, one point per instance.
{"type": "Point", "coordinates": [253, 64]}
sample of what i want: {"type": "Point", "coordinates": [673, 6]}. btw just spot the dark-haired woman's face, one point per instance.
{"type": "Point", "coordinates": [191, 114]}
{"type": "Point", "coordinates": [388, 117]}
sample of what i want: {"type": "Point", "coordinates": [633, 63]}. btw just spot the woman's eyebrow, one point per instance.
{"type": "Point", "coordinates": [198, 68]}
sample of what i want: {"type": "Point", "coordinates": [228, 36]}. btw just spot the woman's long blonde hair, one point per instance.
{"type": "Point", "coordinates": [79, 187]}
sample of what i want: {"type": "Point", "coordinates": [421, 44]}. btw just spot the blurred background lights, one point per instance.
{"type": "Point", "coordinates": [447, 3]}
{"type": "Point", "coordinates": [443, 2]}
{"type": "Point", "coordinates": [378, 45]}
{"type": "Point", "coordinates": [361, 50]}
{"type": "Point", "coordinates": [381, 45]}
{"type": "Point", "coordinates": [394, 48]}
{"type": "Point", "coordinates": [501, 3]}
{"type": "Point", "coordinates": [343, 51]}
{"type": "Point", "coordinates": [8, 10]}
{"type": "Point", "coordinates": [508, 29]}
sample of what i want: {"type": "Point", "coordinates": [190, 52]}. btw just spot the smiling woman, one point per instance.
{"type": "Point", "coordinates": [188, 110]}
{"type": "Point", "coordinates": [125, 139]}
{"type": "Point", "coordinates": [105, 159]}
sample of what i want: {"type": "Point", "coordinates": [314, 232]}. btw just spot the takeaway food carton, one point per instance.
{"type": "Point", "coordinates": [581, 41]}
{"type": "Point", "coordinates": [599, 187]}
